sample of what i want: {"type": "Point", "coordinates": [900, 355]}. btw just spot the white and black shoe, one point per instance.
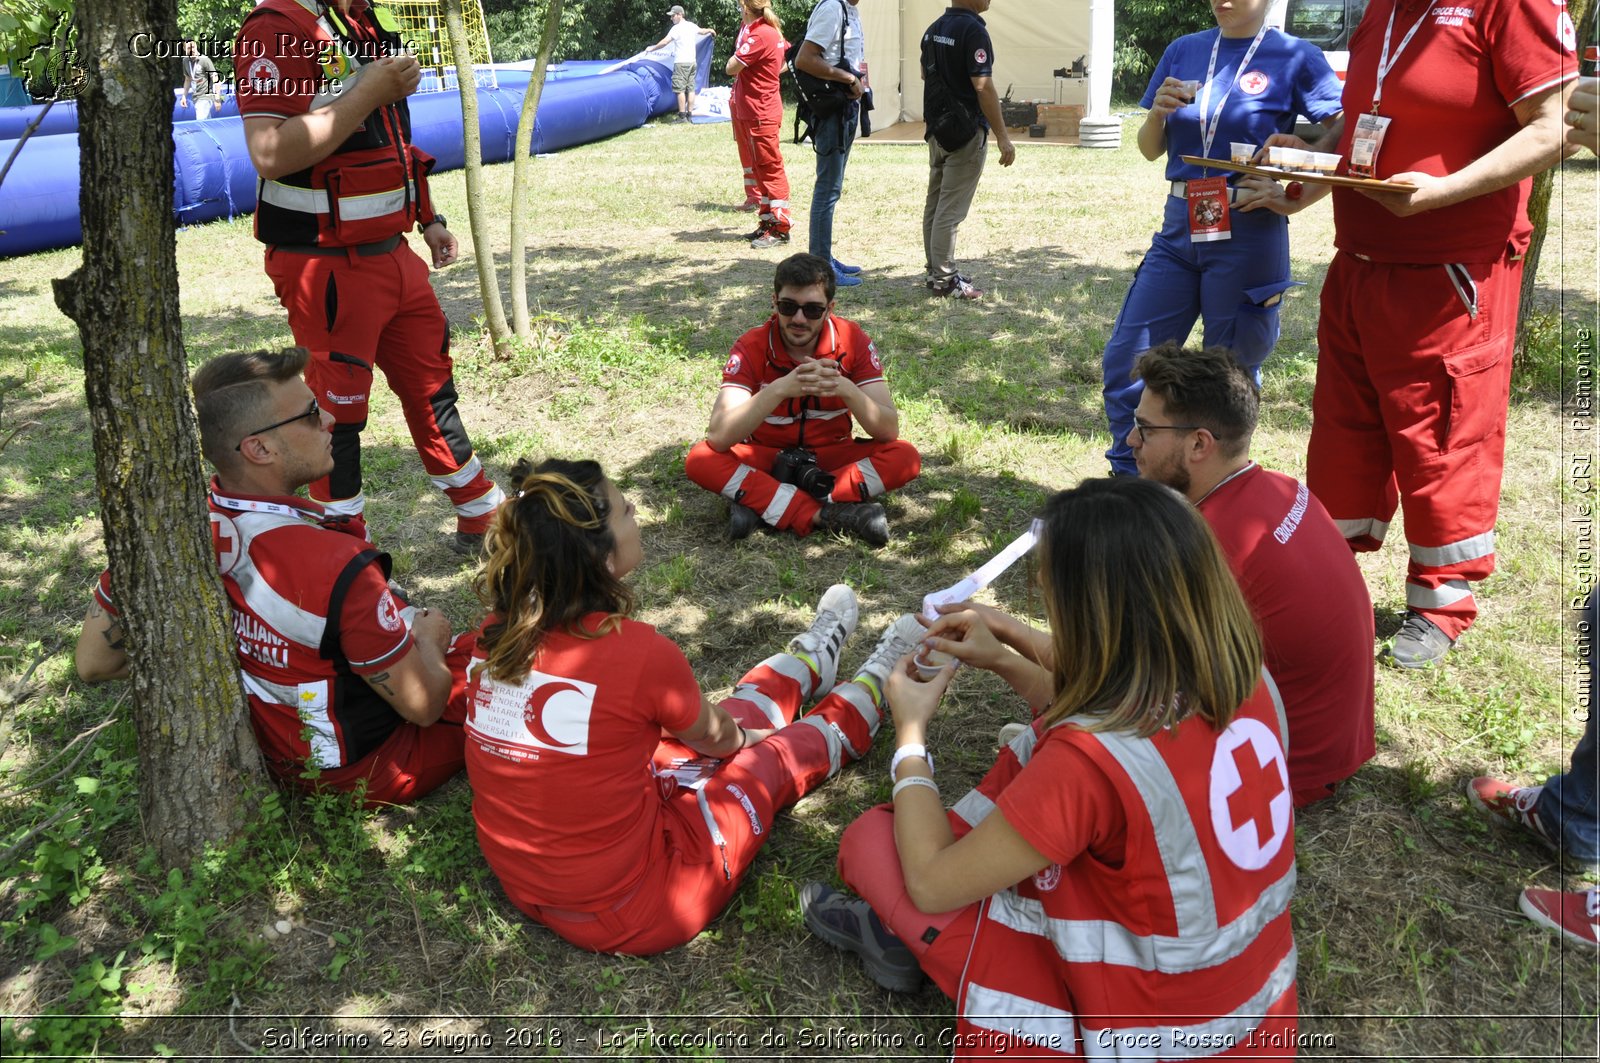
{"type": "Point", "coordinates": [819, 646]}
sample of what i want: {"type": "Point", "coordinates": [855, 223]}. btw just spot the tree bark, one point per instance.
{"type": "Point", "coordinates": [494, 308]}
{"type": "Point", "coordinates": [1539, 216]}
{"type": "Point", "coordinates": [520, 164]}
{"type": "Point", "coordinates": [197, 755]}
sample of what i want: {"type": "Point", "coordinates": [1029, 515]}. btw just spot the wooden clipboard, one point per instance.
{"type": "Point", "coordinates": [1295, 175]}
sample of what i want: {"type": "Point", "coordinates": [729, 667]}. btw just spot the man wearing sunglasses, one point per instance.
{"type": "Point", "coordinates": [1192, 431]}
{"type": "Point", "coordinates": [779, 446]}
{"type": "Point", "coordinates": [347, 682]}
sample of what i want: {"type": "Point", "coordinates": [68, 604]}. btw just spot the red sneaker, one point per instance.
{"type": "Point", "coordinates": [1575, 915]}
{"type": "Point", "coordinates": [1517, 806]}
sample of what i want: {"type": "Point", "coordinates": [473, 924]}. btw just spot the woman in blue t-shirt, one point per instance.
{"type": "Point", "coordinates": [1241, 82]}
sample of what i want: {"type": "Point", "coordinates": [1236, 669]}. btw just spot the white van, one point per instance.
{"type": "Point", "coordinates": [1327, 24]}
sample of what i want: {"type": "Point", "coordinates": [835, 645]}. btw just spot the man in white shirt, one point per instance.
{"type": "Point", "coordinates": [684, 36]}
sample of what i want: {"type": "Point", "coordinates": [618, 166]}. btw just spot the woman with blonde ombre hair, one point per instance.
{"type": "Point", "coordinates": [599, 827]}
{"type": "Point", "coordinates": [1119, 882]}
{"type": "Point", "coordinates": [757, 112]}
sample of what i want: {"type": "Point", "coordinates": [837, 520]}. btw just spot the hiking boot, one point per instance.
{"type": "Point", "coordinates": [845, 280]}
{"type": "Point", "coordinates": [897, 640]}
{"type": "Point", "coordinates": [865, 520]}
{"type": "Point", "coordinates": [1420, 643]}
{"type": "Point", "coordinates": [467, 544]}
{"type": "Point", "coordinates": [820, 644]}
{"type": "Point", "coordinates": [742, 520]}
{"type": "Point", "coordinates": [757, 232]}
{"type": "Point", "coordinates": [1574, 914]}
{"type": "Point", "coordinates": [850, 924]}
{"type": "Point", "coordinates": [958, 287]}
{"type": "Point", "coordinates": [840, 267]}
{"type": "Point", "coordinates": [769, 237]}
{"type": "Point", "coordinates": [1518, 806]}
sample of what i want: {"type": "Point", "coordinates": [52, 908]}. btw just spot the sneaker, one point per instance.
{"type": "Point", "coordinates": [865, 520]}
{"type": "Point", "coordinates": [467, 544]}
{"type": "Point", "coordinates": [742, 520]}
{"type": "Point", "coordinates": [957, 288]}
{"type": "Point", "coordinates": [1419, 643]}
{"type": "Point", "coordinates": [819, 646]}
{"type": "Point", "coordinates": [840, 267]}
{"type": "Point", "coordinates": [850, 924]}
{"type": "Point", "coordinates": [769, 238]}
{"type": "Point", "coordinates": [845, 280]}
{"type": "Point", "coordinates": [748, 205]}
{"type": "Point", "coordinates": [1518, 806]}
{"type": "Point", "coordinates": [897, 640]}
{"type": "Point", "coordinates": [1009, 733]}
{"type": "Point", "coordinates": [1574, 914]}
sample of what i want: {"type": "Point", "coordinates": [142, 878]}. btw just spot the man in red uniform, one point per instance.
{"type": "Point", "coordinates": [779, 446]}
{"type": "Point", "coordinates": [1419, 310]}
{"type": "Point", "coordinates": [344, 678]}
{"type": "Point", "coordinates": [1192, 432]}
{"type": "Point", "coordinates": [322, 90]}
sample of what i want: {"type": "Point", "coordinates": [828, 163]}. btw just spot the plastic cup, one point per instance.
{"type": "Point", "coordinates": [928, 663]}
{"type": "Point", "coordinates": [1242, 153]}
{"type": "Point", "coordinates": [1192, 88]}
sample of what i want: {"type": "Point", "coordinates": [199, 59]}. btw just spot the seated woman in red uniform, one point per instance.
{"type": "Point", "coordinates": [1118, 884]}
{"type": "Point", "coordinates": [615, 837]}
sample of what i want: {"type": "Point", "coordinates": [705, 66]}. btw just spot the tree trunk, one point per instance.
{"type": "Point", "coordinates": [519, 174]}
{"type": "Point", "coordinates": [494, 308]}
{"type": "Point", "coordinates": [197, 756]}
{"type": "Point", "coordinates": [1539, 216]}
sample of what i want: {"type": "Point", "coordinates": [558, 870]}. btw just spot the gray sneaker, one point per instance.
{"type": "Point", "coordinates": [819, 646]}
{"type": "Point", "coordinates": [897, 640]}
{"type": "Point", "coordinates": [850, 924]}
{"type": "Point", "coordinates": [1420, 643]}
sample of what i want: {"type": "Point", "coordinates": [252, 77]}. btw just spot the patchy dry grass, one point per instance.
{"type": "Point", "coordinates": [1410, 942]}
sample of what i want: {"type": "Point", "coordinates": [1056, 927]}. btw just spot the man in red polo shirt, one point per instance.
{"type": "Point", "coordinates": [1419, 309]}
{"type": "Point", "coordinates": [779, 446]}
{"type": "Point", "coordinates": [322, 90]}
{"type": "Point", "coordinates": [1192, 432]}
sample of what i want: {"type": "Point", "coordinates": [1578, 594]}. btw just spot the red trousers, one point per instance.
{"type": "Point", "coordinates": [413, 761]}
{"type": "Point", "coordinates": [862, 470]}
{"type": "Point", "coordinates": [1410, 407]}
{"type": "Point", "coordinates": [715, 831]}
{"type": "Point", "coordinates": [354, 313]}
{"type": "Point", "coordinates": [765, 182]}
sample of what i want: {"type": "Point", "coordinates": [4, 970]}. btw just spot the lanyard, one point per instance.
{"type": "Point", "coordinates": [1208, 130]}
{"type": "Point", "coordinates": [1385, 61]}
{"type": "Point", "coordinates": [252, 505]}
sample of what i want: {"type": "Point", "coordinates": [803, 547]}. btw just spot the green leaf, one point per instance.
{"type": "Point", "coordinates": [87, 785]}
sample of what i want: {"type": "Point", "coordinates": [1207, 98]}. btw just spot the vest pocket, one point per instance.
{"type": "Point", "coordinates": [368, 203]}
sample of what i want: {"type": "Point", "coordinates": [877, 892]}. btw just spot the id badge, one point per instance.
{"type": "Point", "coordinates": [1370, 130]}
{"type": "Point", "coordinates": [1209, 218]}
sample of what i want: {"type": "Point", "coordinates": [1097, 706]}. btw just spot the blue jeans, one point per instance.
{"type": "Point", "coordinates": [1568, 806]}
{"type": "Point", "coordinates": [832, 138]}
{"type": "Point", "coordinates": [1223, 283]}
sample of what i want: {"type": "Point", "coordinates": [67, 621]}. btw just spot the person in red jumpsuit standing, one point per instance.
{"type": "Point", "coordinates": [322, 89]}
{"type": "Point", "coordinates": [756, 62]}
{"type": "Point", "coordinates": [1419, 309]}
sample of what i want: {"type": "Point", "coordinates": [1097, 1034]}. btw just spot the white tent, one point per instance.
{"type": "Point", "coordinates": [1032, 39]}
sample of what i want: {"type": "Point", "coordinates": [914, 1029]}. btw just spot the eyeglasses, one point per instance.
{"type": "Point", "coordinates": [789, 308]}
{"type": "Point", "coordinates": [1143, 428]}
{"type": "Point", "coordinates": [312, 411]}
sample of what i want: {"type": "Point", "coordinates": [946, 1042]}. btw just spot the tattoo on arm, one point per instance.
{"type": "Point", "coordinates": [381, 682]}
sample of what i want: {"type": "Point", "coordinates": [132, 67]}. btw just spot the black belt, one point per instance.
{"type": "Point", "coordinates": [382, 247]}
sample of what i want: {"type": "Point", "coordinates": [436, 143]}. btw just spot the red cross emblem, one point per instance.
{"type": "Point", "coordinates": [225, 541]}
{"type": "Point", "coordinates": [1250, 800]}
{"type": "Point", "coordinates": [1254, 83]}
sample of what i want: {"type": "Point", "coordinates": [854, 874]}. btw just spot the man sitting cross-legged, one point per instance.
{"type": "Point", "coordinates": [1192, 432]}
{"type": "Point", "coordinates": [347, 683]}
{"type": "Point", "coordinates": [779, 447]}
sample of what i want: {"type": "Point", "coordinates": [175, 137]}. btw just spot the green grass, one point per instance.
{"type": "Point", "coordinates": [1406, 904]}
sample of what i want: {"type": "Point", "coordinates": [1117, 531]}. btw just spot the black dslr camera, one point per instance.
{"type": "Point", "coordinates": [798, 466]}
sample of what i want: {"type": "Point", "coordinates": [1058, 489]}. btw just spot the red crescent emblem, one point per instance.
{"type": "Point", "coordinates": [533, 715]}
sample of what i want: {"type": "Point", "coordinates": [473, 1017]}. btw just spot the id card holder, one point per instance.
{"type": "Point", "coordinates": [1209, 217]}
{"type": "Point", "coordinates": [1370, 130]}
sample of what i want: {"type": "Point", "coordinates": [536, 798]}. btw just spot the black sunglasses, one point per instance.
{"type": "Point", "coordinates": [813, 311]}
{"type": "Point", "coordinates": [313, 411]}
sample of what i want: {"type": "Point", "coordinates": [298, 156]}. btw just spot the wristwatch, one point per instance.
{"type": "Point", "coordinates": [438, 219]}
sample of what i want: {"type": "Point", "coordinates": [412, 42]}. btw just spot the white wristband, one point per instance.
{"type": "Point", "coordinates": [913, 780]}
{"type": "Point", "coordinates": [911, 750]}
